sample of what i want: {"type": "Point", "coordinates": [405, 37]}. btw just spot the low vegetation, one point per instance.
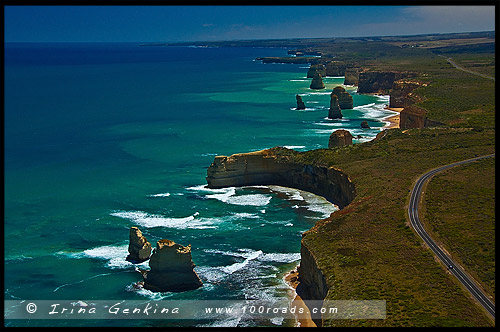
{"type": "Point", "coordinates": [369, 251]}
{"type": "Point", "coordinates": [465, 223]}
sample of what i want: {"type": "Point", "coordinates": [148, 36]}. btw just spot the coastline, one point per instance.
{"type": "Point", "coordinates": [393, 120]}
{"type": "Point", "coordinates": [291, 279]}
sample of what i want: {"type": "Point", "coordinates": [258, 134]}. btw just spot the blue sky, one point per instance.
{"type": "Point", "coordinates": [208, 23]}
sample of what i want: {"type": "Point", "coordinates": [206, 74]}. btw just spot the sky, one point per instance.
{"type": "Point", "coordinates": [211, 23]}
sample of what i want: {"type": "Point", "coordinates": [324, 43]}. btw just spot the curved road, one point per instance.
{"type": "Point", "coordinates": [415, 197]}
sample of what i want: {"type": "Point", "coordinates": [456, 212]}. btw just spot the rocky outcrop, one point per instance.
{"type": "Point", "coordinates": [317, 82]}
{"type": "Point", "coordinates": [345, 99]}
{"type": "Point", "coordinates": [415, 117]}
{"type": "Point", "coordinates": [300, 103]}
{"type": "Point", "coordinates": [335, 111]}
{"type": "Point", "coordinates": [293, 60]}
{"type": "Point", "coordinates": [139, 248]}
{"type": "Point", "coordinates": [352, 76]}
{"type": "Point", "coordinates": [336, 68]}
{"type": "Point", "coordinates": [365, 125]}
{"type": "Point", "coordinates": [380, 81]}
{"type": "Point", "coordinates": [376, 82]}
{"type": "Point", "coordinates": [172, 269]}
{"type": "Point", "coordinates": [401, 93]}
{"type": "Point", "coordinates": [312, 283]}
{"type": "Point", "coordinates": [267, 167]}
{"type": "Point", "coordinates": [317, 68]}
{"type": "Point", "coordinates": [340, 137]}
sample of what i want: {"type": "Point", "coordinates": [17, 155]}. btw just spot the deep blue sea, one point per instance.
{"type": "Point", "coordinates": [102, 137]}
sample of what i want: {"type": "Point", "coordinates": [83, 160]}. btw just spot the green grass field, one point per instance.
{"type": "Point", "coordinates": [465, 223]}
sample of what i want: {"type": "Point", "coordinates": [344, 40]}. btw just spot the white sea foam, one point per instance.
{"type": "Point", "coordinates": [244, 215]}
{"type": "Point", "coordinates": [232, 322]}
{"type": "Point", "coordinates": [250, 254]}
{"type": "Point", "coordinates": [238, 266]}
{"type": "Point", "coordinates": [294, 146]}
{"type": "Point", "coordinates": [155, 296]}
{"type": "Point", "coordinates": [115, 255]}
{"type": "Point", "coordinates": [204, 188]}
{"type": "Point", "coordinates": [280, 257]}
{"type": "Point", "coordinates": [319, 204]}
{"type": "Point", "coordinates": [277, 320]}
{"type": "Point", "coordinates": [329, 124]}
{"type": "Point", "coordinates": [229, 196]}
{"type": "Point", "coordinates": [314, 93]}
{"type": "Point", "coordinates": [307, 109]}
{"type": "Point", "coordinates": [298, 80]}
{"type": "Point", "coordinates": [153, 220]}
{"type": "Point", "coordinates": [160, 195]}
{"type": "Point", "coordinates": [224, 195]}
{"type": "Point", "coordinates": [384, 98]}
{"type": "Point", "coordinates": [293, 194]}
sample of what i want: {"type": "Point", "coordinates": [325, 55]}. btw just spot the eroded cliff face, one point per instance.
{"type": "Point", "coordinates": [401, 93]}
{"type": "Point", "coordinates": [172, 268]}
{"type": "Point", "coordinates": [380, 81]}
{"type": "Point", "coordinates": [267, 167]}
{"type": "Point", "coordinates": [312, 282]}
{"type": "Point", "coordinates": [335, 68]}
{"type": "Point", "coordinates": [415, 117]}
{"type": "Point", "coordinates": [316, 68]}
{"type": "Point", "coordinates": [352, 76]}
{"type": "Point", "coordinates": [340, 137]}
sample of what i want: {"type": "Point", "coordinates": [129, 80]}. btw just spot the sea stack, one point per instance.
{"type": "Point", "coordinates": [300, 103]}
{"type": "Point", "coordinates": [365, 125]}
{"type": "Point", "coordinates": [317, 82]}
{"type": "Point", "coordinates": [172, 268]}
{"type": "Point", "coordinates": [334, 112]}
{"type": "Point", "coordinates": [345, 99]}
{"type": "Point", "coordinates": [139, 248]}
{"type": "Point", "coordinates": [340, 137]}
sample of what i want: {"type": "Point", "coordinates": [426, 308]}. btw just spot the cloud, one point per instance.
{"type": "Point", "coordinates": [465, 18]}
{"type": "Point", "coordinates": [432, 19]}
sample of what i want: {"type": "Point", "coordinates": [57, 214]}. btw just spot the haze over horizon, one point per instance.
{"type": "Point", "coordinates": [217, 23]}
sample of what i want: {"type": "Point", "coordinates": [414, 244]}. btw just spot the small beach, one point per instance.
{"type": "Point", "coordinates": [393, 120]}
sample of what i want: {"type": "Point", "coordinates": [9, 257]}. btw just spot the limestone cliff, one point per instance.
{"type": "Point", "coordinates": [267, 167]}
{"type": "Point", "coordinates": [345, 99]}
{"type": "Point", "coordinates": [316, 68]}
{"type": "Point", "coordinates": [401, 93]}
{"type": "Point", "coordinates": [380, 81]}
{"type": "Point", "coordinates": [415, 117]}
{"type": "Point", "coordinates": [172, 268]}
{"type": "Point", "coordinates": [335, 68]}
{"type": "Point", "coordinates": [300, 103]}
{"type": "Point", "coordinates": [335, 111]}
{"type": "Point", "coordinates": [312, 283]}
{"type": "Point", "coordinates": [352, 76]}
{"type": "Point", "coordinates": [276, 167]}
{"type": "Point", "coordinates": [340, 137]}
{"type": "Point", "coordinates": [139, 248]}
{"type": "Point", "coordinates": [317, 82]}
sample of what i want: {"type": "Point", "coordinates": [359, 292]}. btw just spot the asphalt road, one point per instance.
{"type": "Point", "coordinates": [453, 267]}
{"type": "Point", "coordinates": [454, 64]}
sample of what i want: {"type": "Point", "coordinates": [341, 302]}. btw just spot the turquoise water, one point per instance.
{"type": "Point", "coordinates": [102, 137]}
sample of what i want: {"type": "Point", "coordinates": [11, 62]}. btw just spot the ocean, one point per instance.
{"type": "Point", "coordinates": [100, 137]}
